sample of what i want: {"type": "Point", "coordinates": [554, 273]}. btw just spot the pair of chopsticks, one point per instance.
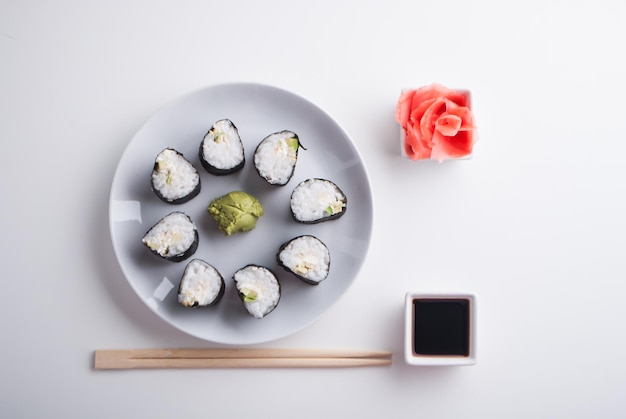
{"type": "Point", "coordinates": [238, 358]}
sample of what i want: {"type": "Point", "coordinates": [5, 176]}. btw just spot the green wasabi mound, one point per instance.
{"type": "Point", "coordinates": [236, 212]}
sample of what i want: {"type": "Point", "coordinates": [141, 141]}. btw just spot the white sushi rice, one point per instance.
{"type": "Point", "coordinates": [275, 159]}
{"type": "Point", "coordinates": [307, 257]}
{"type": "Point", "coordinates": [315, 199]}
{"type": "Point", "coordinates": [173, 235]}
{"type": "Point", "coordinates": [200, 285]}
{"type": "Point", "coordinates": [262, 287]}
{"type": "Point", "coordinates": [222, 147]}
{"type": "Point", "coordinates": [174, 176]}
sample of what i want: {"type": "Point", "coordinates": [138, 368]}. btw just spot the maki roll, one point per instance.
{"type": "Point", "coordinates": [275, 157]}
{"type": "Point", "coordinates": [201, 285]}
{"type": "Point", "coordinates": [316, 200]}
{"type": "Point", "coordinates": [221, 150]}
{"type": "Point", "coordinates": [173, 238]}
{"type": "Point", "coordinates": [258, 289]}
{"type": "Point", "coordinates": [174, 179]}
{"type": "Point", "coordinates": [307, 257]}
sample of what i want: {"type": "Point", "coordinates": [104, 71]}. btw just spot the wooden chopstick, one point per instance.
{"type": "Point", "coordinates": [238, 358]}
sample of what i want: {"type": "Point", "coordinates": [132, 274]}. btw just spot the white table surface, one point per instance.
{"type": "Point", "coordinates": [533, 224]}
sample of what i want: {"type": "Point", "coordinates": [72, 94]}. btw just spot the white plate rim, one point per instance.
{"type": "Point", "coordinates": [114, 215]}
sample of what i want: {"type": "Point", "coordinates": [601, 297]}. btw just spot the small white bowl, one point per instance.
{"type": "Point", "coordinates": [440, 328]}
{"type": "Point", "coordinates": [406, 156]}
{"type": "Point", "coordinates": [466, 92]}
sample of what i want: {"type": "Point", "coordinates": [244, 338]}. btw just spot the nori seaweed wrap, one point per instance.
{"type": "Point", "coordinates": [174, 179]}
{"type": "Point", "coordinates": [306, 257]}
{"type": "Point", "coordinates": [316, 200]}
{"type": "Point", "coordinates": [276, 156]}
{"type": "Point", "coordinates": [174, 237]}
{"type": "Point", "coordinates": [221, 150]}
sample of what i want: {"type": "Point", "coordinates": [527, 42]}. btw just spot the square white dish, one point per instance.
{"type": "Point", "coordinates": [413, 356]}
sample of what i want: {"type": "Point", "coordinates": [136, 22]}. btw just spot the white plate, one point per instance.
{"type": "Point", "coordinates": [256, 110]}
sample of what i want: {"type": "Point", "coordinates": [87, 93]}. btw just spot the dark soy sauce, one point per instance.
{"type": "Point", "coordinates": [441, 326]}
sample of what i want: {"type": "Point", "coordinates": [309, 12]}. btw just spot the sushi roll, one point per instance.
{"type": "Point", "coordinates": [221, 150]}
{"type": "Point", "coordinates": [201, 285]}
{"type": "Point", "coordinates": [173, 238]}
{"type": "Point", "coordinates": [258, 289]}
{"type": "Point", "coordinates": [307, 257]}
{"type": "Point", "coordinates": [174, 179]}
{"type": "Point", "coordinates": [316, 200]}
{"type": "Point", "coordinates": [275, 157]}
